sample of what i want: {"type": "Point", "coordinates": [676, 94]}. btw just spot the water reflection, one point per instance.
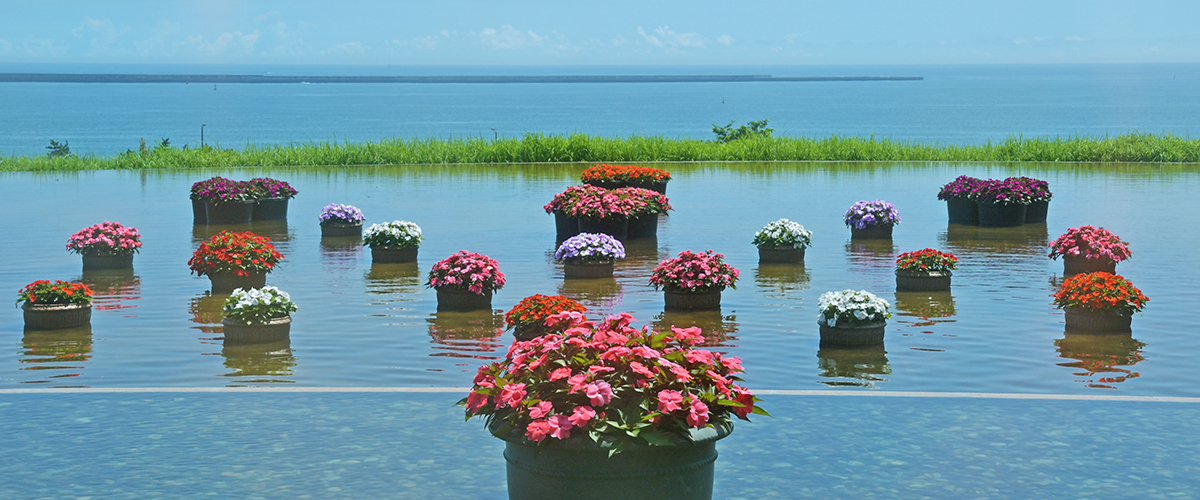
{"type": "Point", "coordinates": [781, 280]}
{"type": "Point", "coordinates": [641, 255]}
{"type": "Point", "coordinates": [927, 307]}
{"type": "Point", "coordinates": [205, 310]}
{"type": "Point", "coordinates": [113, 289]}
{"type": "Point", "coordinates": [1029, 239]}
{"type": "Point", "coordinates": [600, 296]}
{"type": "Point", "coordinates": [393, 286]}
{"type": "Point", "coordinates": [341, 252]}
{"type": "Point", "coordinates": [277, 230]}
{"type": "Point", "coordinates": [718, 330]}
{"type": "Point", "coordinates": [871, 253]}
{"type": "Point", "coordinates": [269, 359]}
{"type": "Point", "coordinates": [1100, 357]}
{"type": "Point", "coordinates": [202, 232]}
{"type": "Point", "coordinates": [858, 366]}
{"type": "Point", "coordinates": [473, 334]}
{"type": "Point", "coordinates": [61, 353]}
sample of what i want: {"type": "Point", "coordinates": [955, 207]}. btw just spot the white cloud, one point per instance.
{"type": "Point", "coordinates": [1076, 39]}
{"type": "Point", "coordinates": [103, 34]}
{"type": "Point", "coordinates": [664, 37]}
{"type": "Point", "coordinates": [791, 37]}
{"type": "Point", "coordinates": [618, 41]}
{"type": "Point", "coordinates": [348, 48]}
{"type": "Point", "coordinates": [509, 38]}
{"type": "Point", "coordinates": [651, 39]}
{"type": "Point", "coordinates": [5, 46]}
{"type": "Point", "coordinates": [44, 47]}
{"type": "Point", "coordinates": [235, 42]}
{"type": "Point", "coordinates": [725, 40]}
{"type": "Point", "coordinates": [1036, 39]}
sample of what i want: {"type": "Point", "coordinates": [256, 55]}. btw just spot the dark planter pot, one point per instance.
{"type": "Point", "coordinates": [880, 232]}
{"type": "Point", "coordinates": [922, 281]}
{"type": "Point", "coordinates": [587, 270]}
{"type": "Point", "coordinates": [657, 186]}
{"type": "Point", "coordinates": [274, 330]}
{"type": "Point", "coordinates": [645, 226]}
{"type": "Point", "coordinates": [617, 227]}
{"type": "Point", "coordinates": [1000, 215]}
{"type": "Point", "coordinates": [1083, 265]}
{"type": "Point", "coordinates": [565, 226]}
{"type": "Point", "coordinates": [1036, 213]}
{"type": "Point", "coordinates": [393, 255]}
{"type": "Point", "coordinates": [199, 216]}
{"type": "Point", "coordinates": [607, 184]}
{"type": "Point", "coordinates": [871, 333]}
{"type": "Point", "coordinates": [270, 209]}
{"type": "Point", "coordinates": [679, 300]}
{"type": "Point", "coordinates": [232, 212]}
{"type": "Point", "coordinates": [225, 282]}
{"type": "Point", "coordinates": [780, 255]}
{"type": "Point", "coordinates": [530, 331]}
{"type": "Point", "coordinates": [962, 211]}
{"type": "Point", "coordinates": [1088, 321]}
{"type": "Point", "coordinates": [56, 316]}
{"type": "Point", "coordinates": [457, 299]}
{"type": "Point", "coordinates": [92, 262]}
{"type": "Point", "coordinates": [341, 229]}
{"type": "Point", "coordinates": [579, 469]}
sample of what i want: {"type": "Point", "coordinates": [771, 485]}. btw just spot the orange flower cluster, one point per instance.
{"type": "Point", "coordinates": [538, 307]}
{"type": "Point", "coordinates": [1100, 291]}
{"type": "Point", "coordinates": [626, 173]}
{"type": "Point", "coordinates": [242, 254]}
{"type": "Point", "coordinates": [55, 292]}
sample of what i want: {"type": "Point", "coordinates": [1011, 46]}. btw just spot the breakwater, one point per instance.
{"type": "Point", "coordinates": [130, 78]}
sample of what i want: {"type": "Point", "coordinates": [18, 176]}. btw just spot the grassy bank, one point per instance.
{"type": "Point", "coordinates": [535, 148]}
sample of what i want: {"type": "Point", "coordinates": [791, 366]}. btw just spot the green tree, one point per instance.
{"type": "Point", "coordinates": [730, 134]}
{"type": "Point", "coordinates": [56, 150]}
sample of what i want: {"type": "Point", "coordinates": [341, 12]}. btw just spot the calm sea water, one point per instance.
{"type": "Point", "coordinates": [953, 105]}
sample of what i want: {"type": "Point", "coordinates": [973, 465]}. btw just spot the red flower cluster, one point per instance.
{"type": "Point", "coordinates": [242, 254]}
{"type": "Point", "coordinates": [536, 308]}
{"type": "Point", "coordinates": [1100, 291]}
{"type": "Point", "coordinates": [626, 173]}
{"type": "Point", "coordinates": [55, 292]}
{"type": "Point", "coordinates": [926, 260]}
{"type": "Point", "coordinates": [694, 272]}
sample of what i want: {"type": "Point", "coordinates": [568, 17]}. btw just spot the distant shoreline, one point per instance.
{"type": "Point", "coordinates": [131, 78]}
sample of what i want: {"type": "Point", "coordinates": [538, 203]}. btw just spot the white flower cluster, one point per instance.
{"type": "Point", "coordinates": [267, 296]}
{"type": "Point", "coordinates": [853, 307]}
{"type": "Point", "coordinates": [783, 232]}
{"type": "Point", "coordinates": [400, 233]}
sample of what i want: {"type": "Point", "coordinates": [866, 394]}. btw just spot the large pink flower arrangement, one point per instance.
{"type": "Point", "coordinates": [109, 238]}
{"type": "Point", "coordinates": [1090, 242]}
{"type": "Point", "coordinates": [469, 271]}
{"type": "Point", "coordinates": [694, 272]}
{"type": "Point", "coordinates": [609, 383]}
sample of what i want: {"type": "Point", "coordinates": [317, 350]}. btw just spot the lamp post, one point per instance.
{"type": "Point", "coordinates": [202, 125]}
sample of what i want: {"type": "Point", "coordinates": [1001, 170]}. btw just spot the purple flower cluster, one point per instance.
{"type": "Point", "coordinates": [345, 214]}
{"type": "Point", "coordinates": [864, 214]}
{"type": "Point", "coordinates": [220, 189]}
{"type": "Point", "coordinates": [590, 247]}
{"type": "Point", "coordinates": [1005, 192]}
{"type": "Point", "coordinates": [961, 187]}
{"type": "Point", "coordinates": [266, 187]}
{"type": "Point", "coordinates": [1011, 190]}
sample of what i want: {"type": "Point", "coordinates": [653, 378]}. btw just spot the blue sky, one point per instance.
{"type": "Point", "coordinates": [620, 32]}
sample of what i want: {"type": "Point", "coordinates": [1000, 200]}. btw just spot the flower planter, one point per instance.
{"type": "Point", "coordinates": [233, 212]}
{"type": "Point", "coordinates": [870, 333]}
{"type": "Point", "coordinates": [617, 227]}
{"type": "Point", "coordinates": [678, 300]}
{"type": "Point", "coordinates": [580, 469]}
{"type": "Point", "coordinates": [645, 226]}
{"type": "Point", "coordinates": [1036, 213]}
{"type": "Point", "coordinates": [93, 261]}
{"type": "Point", "coordinates": [226, 282]}
{"type": "Point", "coordinates": [199, 216]}
{"type": "Point", "coordinates": [922, 281]}
{"type": "Point", "coordinates": [270, 209]}
{"type": "Point", "coordinates": [1092, 321]}
{"type": "Point", "coordinates": [565, 226]}
{"type": "Point", "coordinates": [56, 316]}
{"type": "Point", "coordinates": [780, 255]}
{"type": "Point", "coordinates": [393, 255]}
{"type": "Point", "coordinates": [341, 229]}
{"type": "Point", "coordinates": [587, 270]}
{"type": "Point", "coordinates": [607, 184]}
{"type": "Point", "coordinates": [1000, 215]}
{"type": "Point", "coordinates": [1083, 265]}
{"type": "Point", "coordinates": [880, 232]}
{"type": "Point", "coordinates": [656, 186]}
{"type": "Point", "coordinates": [458, 299]}
{"type": "Point", "coordinates": [273, 330]}
{"type": "Point", "coordinates": [529, 332]}
{"type": "Point", "coordinates": [962, 211]}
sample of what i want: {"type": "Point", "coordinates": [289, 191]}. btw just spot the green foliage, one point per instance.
{"type": "Point", "coordinates": [730, 134]}
{"type": "Point", "coordinates": [56, 150]}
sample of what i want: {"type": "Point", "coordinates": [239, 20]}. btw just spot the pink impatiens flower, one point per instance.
{"type": "Point", "coordinates": [640, 369]}
{"type": "Point", "coordinates": [582, 415]}
{"type": "Point", "coordinates": [541, 409]}
{"type": "Point", "coordinates": [697, 414]}
{"type": "Point", "coordinates": [599, 392]}
{"type": "Point", "coordinates": [669, 401]}
{"type": "Point", "coordinates": [560, 426]}
{"type": "Point", "coordinates": [537, 430]}
{"type": "Point", "coordinates": [560, 373]}
{"type": "Point", "coordinates": [511, 395]}
{"type": "Point", "coordinates": [476, 400]}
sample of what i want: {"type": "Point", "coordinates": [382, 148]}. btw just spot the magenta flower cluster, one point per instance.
{"type": "Point", "coordinates": [864, 214]}
{"type": "Point", "coordinates": [109, 238]}
{"type": "Point", "coordinates": [694, 272]}
{"type": "Point", "coordinates": [1011, 190]}
{"type": "Point", "coordinates": [1090, 242]}
{"type": "Point", "coordinates": [266, 187]}
{"type": "Point", "coordinates": [592, 202]}
{"type": "Point", "coordinates": [469, 271]}
{"type": "Point", "coordinates": [221, 190]}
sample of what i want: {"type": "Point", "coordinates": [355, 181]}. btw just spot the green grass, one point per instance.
{"type": "Point", "coordinates": [538, 148]}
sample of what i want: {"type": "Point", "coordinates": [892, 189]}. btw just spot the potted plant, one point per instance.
{"type": "Point", "coordinates": [257, 315]}
{"type": "Point", "coordinates": [566, 225]}
{"type": "Point", "coordinates": [961, 206]}
{"type": "Point", "coordinates": [235, 260]}
{"type": "Point", "coordinates": [52, 305]}
{"type": "Point", "coordinates": [339, 220]}
{"type": "Point", "coordinates": [871, 220]}
{"type": "Point", "coordinates": [270, 198]}
{"type": "Point", "coordinates": [925, 270]}
{"type": "Point", "coordinates": [1099, 302]}
{"type": "Point", "coordinates": [1003, 203]}
{"type": "Point", "coordinates": [392, 242]}
{"type": "Point", "coordinates": [1089, 249]}
{"type": "Point", "coordinates": [609, 411]}
{"type": "Point", "coordinates": [465, 281]}
{"type": "Point", "coordinates": [694, 280]}
{"type": "Point", "coordinates": [782, 241]}
{"type": "Point", "coordinates": [1039, 201]}
{"type": "Point", "coordinates": [602, 211]}
{"type": "Point", "coordinates": [645, 206]}
{"type": "Point", "coordinates": [589, 255]}
{"type": "Point", "coordinates": [198, 211]}
{"type": "Point", "coordinates": [852, 317]}
{"type": "Point", "coordinates": [527, 319]}
{"type": "Point", "coordinates": [226, 201]}
{"type": "Point", "coordinates": [650, 178]}
{"type": "Point", "coordinates": [109, 245]}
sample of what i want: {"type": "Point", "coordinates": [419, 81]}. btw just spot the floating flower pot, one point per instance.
{"type": "Point", "coordinates": [645, 226]}
{"type": "Point", "coordinates": [230, 212]}
{"type": "Point", "coordinates": [607, 184]}
{"type": "Point", "coordinates": [1036, 213]}
{"type": "Point", "coordinates": [681, 300]}
{"type": "Point", "coordinates": [565, 226]}
{"type": "Point", "coordinates": [1082, 265]}
{"type": "Point", "coordinates": [93, 261]}
{"type": "Point", "coordinates": [459, 299]}
{"type": "Point", "coordinates": [331, 229]}
{"type": "Point", "coordinates": [393, 255]}
{"type": "Point", "coordinates": [922, 281]}
{"type": "Point", "coordinates": [880, 232]}
{"type": "Point", "coordinates": [226, 282]}
{"type": "Point", "coordinates": [529, 332]}
{"type": "Point", "coordinates": [780, 255]}
{"type": "Point", "coordinates": [1081, 320]}
{"type": "Point", "coordinates": [656, 186]}
{"type": "Point", "coordinates": [275, 329]}
{"type": "Point", "coordinates": [587, 270]}
{"type": "Point", "coordinates": [56, 316]}
{"type": "Point", "coordinates": [962, 211]}
{"type": "Point", "coordinates": [199, 216]}
{"type": "Point", "coordinates": [1001, 215]}
{"type": "Point", "coordinates": [617, 227]}
{"type": "Point", "coordinates": [270, 209]}
{"type": "Point", "coordinates": [867, 334]}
